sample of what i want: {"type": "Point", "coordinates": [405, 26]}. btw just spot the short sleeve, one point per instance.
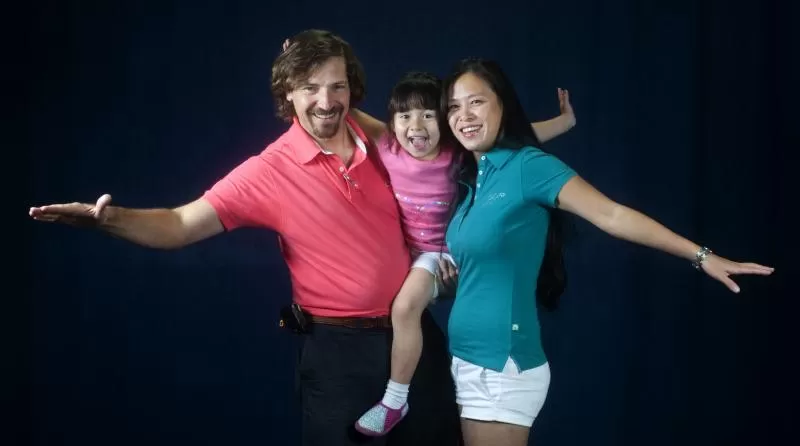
{"type": "Point", "coordinates": [543, 176]}
{"type": "Point", "coordinates": [247, 196]}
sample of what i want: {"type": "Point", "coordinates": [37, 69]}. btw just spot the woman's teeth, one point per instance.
{"type": "Point", "coordinates": [470, 131]}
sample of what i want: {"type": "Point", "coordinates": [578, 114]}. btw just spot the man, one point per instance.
{"type": "Point", "coordinates": [321, 187]}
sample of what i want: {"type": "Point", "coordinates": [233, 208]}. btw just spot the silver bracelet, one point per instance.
{"type": "Point", "coordinates": [700, 256]}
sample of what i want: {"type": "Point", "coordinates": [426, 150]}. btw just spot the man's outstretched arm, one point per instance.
{"type": "Point", "coordinates": [547, 130]}
{"type": "Point", "coordinates": [159, 228]}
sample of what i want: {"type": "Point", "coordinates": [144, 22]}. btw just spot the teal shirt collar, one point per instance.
{"type": "Point", "coordinates": [499, 156]}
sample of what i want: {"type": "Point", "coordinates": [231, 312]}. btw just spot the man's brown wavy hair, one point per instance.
{"type": "Point", "coordinates": [307, 51]}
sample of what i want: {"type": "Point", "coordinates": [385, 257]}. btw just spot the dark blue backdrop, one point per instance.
{"type": "Point", "coordinates": [683, 113]}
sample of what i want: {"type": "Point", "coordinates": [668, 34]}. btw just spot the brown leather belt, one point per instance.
{"type": "Point", "coordinates": [353, 322]}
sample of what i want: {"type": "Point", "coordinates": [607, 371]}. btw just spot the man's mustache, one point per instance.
{"type": "Point", "coordinates": [324, 111]}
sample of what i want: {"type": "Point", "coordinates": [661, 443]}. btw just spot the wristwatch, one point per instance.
{"type": "Point", "coordinates": [700, 256]}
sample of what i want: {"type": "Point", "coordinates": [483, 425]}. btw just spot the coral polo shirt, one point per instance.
{"type": "Point", "coordinates": [339, 226]}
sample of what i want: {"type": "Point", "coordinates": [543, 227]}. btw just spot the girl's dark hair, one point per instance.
{"type": "Point", "coordinates": [515, 133]}
{"type": "Point", "coordinates": [422, 91]}
{"type": "Point", "coordinates": [415, 90]}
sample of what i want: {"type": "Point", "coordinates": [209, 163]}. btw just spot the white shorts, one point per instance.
{"type": "Point", "coordinates": [429, 261]}
{"type": "Point", "coordinates": [507, 397]}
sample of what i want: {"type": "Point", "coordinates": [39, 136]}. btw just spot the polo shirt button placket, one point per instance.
{"type": "Point", "coordinates": [348, 182]}
{"type": "Point", "coordinates": [480, 174]}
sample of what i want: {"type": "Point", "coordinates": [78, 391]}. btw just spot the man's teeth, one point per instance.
{"type": "Point", "coordinates": [325, 115]}
{"type": "Point", "coordinates": [470, 129]}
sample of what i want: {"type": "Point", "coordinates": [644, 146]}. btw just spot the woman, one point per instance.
{"type": "Point", "coordinates": [504, 237]}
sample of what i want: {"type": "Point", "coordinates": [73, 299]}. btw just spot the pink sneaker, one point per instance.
{"type": "Point", "coordinates": [380, 419]}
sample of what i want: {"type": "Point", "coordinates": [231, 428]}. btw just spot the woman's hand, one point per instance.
{"type": "Point", "coordinates": [448, 274]}
{"type": "Point", "coordinates": [721, 269]}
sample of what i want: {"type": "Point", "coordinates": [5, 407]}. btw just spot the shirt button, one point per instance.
{"type": "Point", "coordinates": [514, 327]}
{"type": "Point", "coordinates": [479, 185]}
{"type": "Point", "coordinates": [480, 172]}
{"type": "Point", "coordinates": [483, 158]}
{"type": "Point", "coordinates": [341, 168]}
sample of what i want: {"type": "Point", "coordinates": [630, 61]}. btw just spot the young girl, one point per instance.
{"type": "Point", "coordinates": [418, 158]}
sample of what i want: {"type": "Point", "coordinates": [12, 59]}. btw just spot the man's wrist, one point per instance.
{"type": "Point", "coordinates": [569, 120]}
{"type": "Point", "coordinates": [110, 218]}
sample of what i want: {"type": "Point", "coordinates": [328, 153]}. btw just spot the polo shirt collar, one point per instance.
{"type": "Point", "coordinates": [499, 156]}
{"type": "Point", "coordinates": [306, 148]}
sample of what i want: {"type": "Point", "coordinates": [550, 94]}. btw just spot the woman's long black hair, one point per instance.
{"type": "Point", "coordinates": [515, 133]}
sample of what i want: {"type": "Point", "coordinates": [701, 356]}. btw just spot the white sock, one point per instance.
{"type": "Point", "coordinates": [396, 395]}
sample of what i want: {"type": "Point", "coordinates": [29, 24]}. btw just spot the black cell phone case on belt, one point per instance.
{"type": "Point", "coordinates": [293, 318]}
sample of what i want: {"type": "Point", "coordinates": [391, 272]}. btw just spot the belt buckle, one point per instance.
{"type": "Point", "coordinates": [375, 322]}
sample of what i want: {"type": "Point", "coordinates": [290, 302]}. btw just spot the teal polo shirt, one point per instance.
{"type": "Point", "coordinates": [498, 242]}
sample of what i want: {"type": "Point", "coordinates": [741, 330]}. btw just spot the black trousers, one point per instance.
{"type": "Point", "coordinates": [342, 372]}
